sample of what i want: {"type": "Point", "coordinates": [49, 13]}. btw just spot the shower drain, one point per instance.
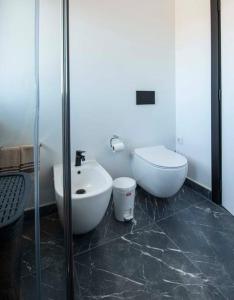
{"type": "Point", "coordinates": [81, 191]}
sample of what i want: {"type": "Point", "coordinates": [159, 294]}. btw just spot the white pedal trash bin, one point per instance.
{"type": "Point", "coordinates": [124, 198]}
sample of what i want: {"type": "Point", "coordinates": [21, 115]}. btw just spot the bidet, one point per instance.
{"type": "Point", "coordinates": [91, 193]}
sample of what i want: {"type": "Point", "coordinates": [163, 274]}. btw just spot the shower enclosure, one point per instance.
{"type": "Point", "coordinates": [17, 112]}
{"type": "Point", "coordinates": [24, 146]}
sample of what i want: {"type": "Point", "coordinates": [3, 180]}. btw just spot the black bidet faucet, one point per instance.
{"type": "Point", "coordinates": [79, 158]}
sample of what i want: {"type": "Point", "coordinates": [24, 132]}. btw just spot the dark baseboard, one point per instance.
{"type": "Point", "coordinates": [198, 188]}
{"type": "Point", "coordinates": [45, 210]}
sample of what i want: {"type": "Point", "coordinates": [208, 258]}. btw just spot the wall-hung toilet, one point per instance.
{"type": "Point", "coordinates": [159, 171]}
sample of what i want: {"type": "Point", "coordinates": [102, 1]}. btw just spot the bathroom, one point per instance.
{"type": "Point", "coordinates": [145, 89]}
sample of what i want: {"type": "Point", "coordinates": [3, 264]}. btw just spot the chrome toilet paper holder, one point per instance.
{"type": "Point", "coordinates": [114, 137]}
{"type": "Point", "coordinates": [116, 143]}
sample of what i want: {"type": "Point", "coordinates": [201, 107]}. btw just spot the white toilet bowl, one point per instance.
{"type": "Point", "coordinates": [159, 171]}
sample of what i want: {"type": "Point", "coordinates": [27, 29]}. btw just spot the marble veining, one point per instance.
{"type": "Point", "coordinates": [177, 248]}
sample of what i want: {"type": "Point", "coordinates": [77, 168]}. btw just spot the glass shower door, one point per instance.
{"type": "Point", "coordinates": [17, 112]}
{"type": "Point", "coordinates": [34, 143]}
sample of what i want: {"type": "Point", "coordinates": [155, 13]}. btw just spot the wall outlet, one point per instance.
{"type": "Point", "coordinates": [180, 140]}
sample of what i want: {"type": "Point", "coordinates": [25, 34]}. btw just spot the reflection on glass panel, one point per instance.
{"type": "Point", "coordinates": [17, 103]}
{"type": "Point", "coordinates": [17, 113]}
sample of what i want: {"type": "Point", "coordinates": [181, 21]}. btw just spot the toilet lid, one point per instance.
{"type": "Point", "coordinates": [124, 184]}
{"type": "Point", "coordinates": [161, 156]}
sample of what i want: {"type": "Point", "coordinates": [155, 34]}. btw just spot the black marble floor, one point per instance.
{"type": "Point", "coordinates": [178, 248]}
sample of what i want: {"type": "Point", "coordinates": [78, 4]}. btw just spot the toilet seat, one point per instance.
{"type": "Point", "coordinates": [159, 171]}
{"type": "Point", "coordinates": [162, 157]}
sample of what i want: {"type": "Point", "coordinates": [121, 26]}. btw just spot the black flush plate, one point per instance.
{"type": "Point", "coordinates": [145, 97]}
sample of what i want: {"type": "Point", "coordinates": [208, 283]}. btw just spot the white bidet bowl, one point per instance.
{"type": "Point", "coordinates": [91, 193]}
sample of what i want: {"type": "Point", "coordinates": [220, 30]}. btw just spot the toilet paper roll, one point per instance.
{"type": "Point", "coordinates": [117, 146]}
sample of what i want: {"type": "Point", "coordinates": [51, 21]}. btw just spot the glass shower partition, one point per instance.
{"type": "Point", "coordinates": [34, 140]}
{"type": "Point", "coordinates": [17, 113]}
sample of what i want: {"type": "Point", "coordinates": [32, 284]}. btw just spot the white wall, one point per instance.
{"type": "Point", "coordinates": [192, 76]}
{"type": "Point", "coordinates": [115, 50]}
{"type": "Point", "coordinates": [16, 71]}
{"type": "Point", "coordinates": [118, 47]}
{"type": "Point", "coordinates": [17, 93]}
{"type": "Point", "coordinates": [228, 103]}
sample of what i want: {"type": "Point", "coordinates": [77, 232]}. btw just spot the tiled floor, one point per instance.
{"type": "Point", "coordinates": [180, 248]}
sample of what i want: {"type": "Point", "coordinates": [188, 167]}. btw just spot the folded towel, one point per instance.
{"type": "Point", "coordinates": [9, 157]}
{"type": "Point", "coordinates": [15, 159]}
{"type": "Point", "coordinates": [26, 155]}
{"type": "Point", "coordinates": [27, 166]}
{"type": "Point", "coordinates": [28, 169]}
{"type": "Point", "coordinates": [9, 170]}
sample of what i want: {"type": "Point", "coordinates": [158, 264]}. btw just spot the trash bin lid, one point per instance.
{"type": "Point", "coordinates": [14, 189]}
{"type": "Point", "coordinates": [124, 184]}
